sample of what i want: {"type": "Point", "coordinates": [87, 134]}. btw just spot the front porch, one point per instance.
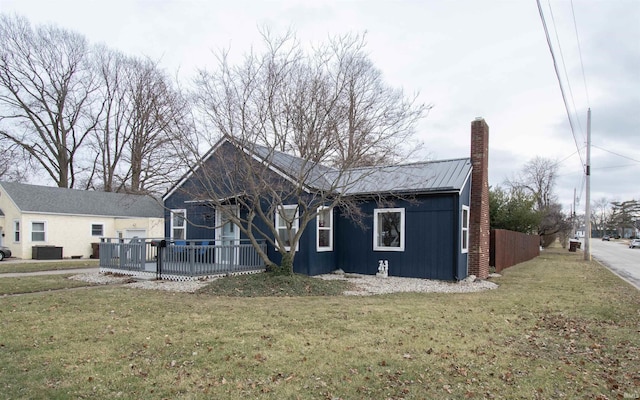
{"type": "Point", "coordinates": [178, 259]}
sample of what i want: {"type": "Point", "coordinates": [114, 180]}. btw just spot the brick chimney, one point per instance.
{"type": "Point", "coordinates": [479, 208]}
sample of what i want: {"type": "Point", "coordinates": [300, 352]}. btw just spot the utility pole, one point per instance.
{"type": "Point", "coordinates": [587, 212]}
{"type": "Point", "coordinates": [574, 223]}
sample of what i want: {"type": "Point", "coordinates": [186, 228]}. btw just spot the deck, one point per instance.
{"type": "Point", "coordinates": [178, 260]}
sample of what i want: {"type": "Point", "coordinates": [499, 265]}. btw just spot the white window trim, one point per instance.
{"type": "Point", "coordinates": [182, 211]}
{"type": "Point", "coordinates": [464, 232]}
{"type": "Point", "coordinates": [91, 229]}
{"type": "Point", "coordinates": [403, 229]}
{"type": "Point", "coordinates": [17, 223]}
{"type": "Point", "coordinates": [44, 223]}
{"type": "Point", "coordinates": [319, 228]}
{"type": "Point", "coordinates": [295, 227]}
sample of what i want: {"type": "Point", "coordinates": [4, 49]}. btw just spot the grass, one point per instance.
{"type": "Point", "coordinates": [11, 267]}
{"type": "Point", "coordinates": [558, 327]}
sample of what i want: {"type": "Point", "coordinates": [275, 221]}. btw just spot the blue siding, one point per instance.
{"type": "Point", "coordinates": [432, 236]}
{"type": "Point", "coordinates": [308, 260]}
{"type": "Point", "coordinates": [200, 217]}
{"type": "Point", "coordinates": [431, 242]}
{"type": "Point", "coordinates": [318, 262]}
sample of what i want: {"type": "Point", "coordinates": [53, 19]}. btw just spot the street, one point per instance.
{"type": "Point", "coordinates": [619, 258]}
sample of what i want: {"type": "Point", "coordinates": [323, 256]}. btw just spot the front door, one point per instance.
{"type": "Point", "coordinates": [227, 236]}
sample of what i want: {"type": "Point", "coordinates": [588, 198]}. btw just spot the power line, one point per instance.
{"type": "Point", "coordinates": [567, 157]}
{"type": "Point", "coordinates": [615, 166]}
{"type": "Point", "coordinates": [615, 154]}
{"type": "Point", "coordinates": [555, 67]}
{"type": "Point", "coordinates": [584, 77]}
{"type": "Point", "coordinates": [566, 74]}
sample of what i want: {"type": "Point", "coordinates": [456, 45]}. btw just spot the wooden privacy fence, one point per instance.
{"type": "Point", "coordinates": [510, 248]}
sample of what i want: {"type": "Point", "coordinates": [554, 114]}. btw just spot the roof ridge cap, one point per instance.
{"type": "Point", "coordinates": [408, 164]}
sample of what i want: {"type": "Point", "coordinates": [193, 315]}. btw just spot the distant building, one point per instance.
{"type": "Point", "coordinates": [38, 216]}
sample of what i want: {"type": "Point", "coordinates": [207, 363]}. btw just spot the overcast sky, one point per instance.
{"type": "Point", "coordinates": [468, 58]}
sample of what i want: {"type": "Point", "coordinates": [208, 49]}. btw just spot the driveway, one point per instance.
{"type": "Point", "coordinates": [619, 258]}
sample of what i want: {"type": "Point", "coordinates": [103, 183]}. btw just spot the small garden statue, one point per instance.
{"type": "Point", "coordinates": [383, 268]}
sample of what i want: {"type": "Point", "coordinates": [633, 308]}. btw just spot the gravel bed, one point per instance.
{"type": "Point", "coordinates": [371, 284]}
{"type": "Point", "coordinates": [171, 286]}
{"type": "Point", "coordinates": [366, 284]}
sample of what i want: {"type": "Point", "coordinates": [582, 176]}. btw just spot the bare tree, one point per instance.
{"type": "Point", "coordinates": [375, 121]}
{"type": "Point", "coordinates": [601, 215]}
{"type": "Point", "coordinates": [143, 114]}
{"type": "Point", "coordinates": [14, 164]}
{"type": "Point", "coordinates": [160, 113]}
{"type": "Point", "coordinates": [283, 115]}
{"type": "Point", "coordinates": [47, 89]}
{"type": "Point", "coordinates": [538, 178]}
{"type": "Point", "coordinates": [111, 133]}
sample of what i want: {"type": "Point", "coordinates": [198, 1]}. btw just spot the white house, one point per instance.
{"type": "Point", "coordinates": [36, 216]}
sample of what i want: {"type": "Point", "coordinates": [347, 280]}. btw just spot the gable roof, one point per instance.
{"type": "Point", "coordinates": [431, 176]}
{"type": "Point", "coordinates": [284, 164]}
{"type": "Point", "coordinates": [55, 200]}
{"type": "Point", "coordinates": [317, 176]}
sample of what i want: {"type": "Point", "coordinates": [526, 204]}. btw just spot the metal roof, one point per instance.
{"type": "Point", "coordinates": [55, 200]}
{"type": "Point", "coordinates": [430, 176]}
{"type": "Point", "coordinates": [316, 175]}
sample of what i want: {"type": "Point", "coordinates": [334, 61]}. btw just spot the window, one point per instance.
{"type": "Point", "coordinates": [324, 229]}
{"type": "Point", "coordinates": [388, 229]}
{"type": "Point", "coordinates": [179, 224]}
{"type": "Point", "coordinates": [97, 230]}
{"type": "Point", "coordinates": [465, 229]}
{"type": "Point", "coordinates": [287, 223]}
{"type": "Point", "coordinates": [16, 231]}
{"type": "Point", "coordinates": [38, 230]}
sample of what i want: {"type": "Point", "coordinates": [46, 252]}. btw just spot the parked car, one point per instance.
{"type": "Point", "coordinates": [4, 252]}
{"type": "Point", "coordinates": [634, 243]}
{"type": "Point", "coordinates": [606, 237]}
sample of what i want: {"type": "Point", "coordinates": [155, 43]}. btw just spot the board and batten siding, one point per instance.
{"type": "Point", "coordinates": [432, 240]}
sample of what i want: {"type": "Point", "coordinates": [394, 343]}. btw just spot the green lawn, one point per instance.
{"type": "Point", "coordinates": [557, 327]}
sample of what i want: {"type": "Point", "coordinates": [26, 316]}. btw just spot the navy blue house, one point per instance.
{"type": "Point", "coordinates": [417, 218]}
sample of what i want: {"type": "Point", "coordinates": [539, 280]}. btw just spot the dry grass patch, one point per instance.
{"type": "Point", "coordinates": [557, 327]}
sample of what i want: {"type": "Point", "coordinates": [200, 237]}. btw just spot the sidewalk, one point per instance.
{"type": "Point", "coordinates": [51, 272]}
